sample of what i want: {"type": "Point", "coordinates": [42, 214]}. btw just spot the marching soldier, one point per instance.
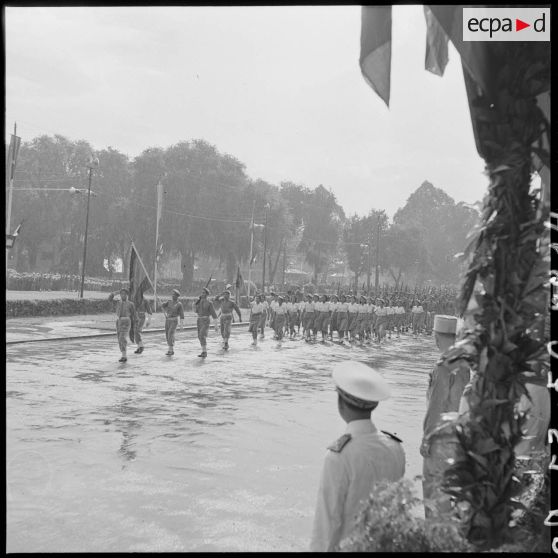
{"type": "Point", "coordinates": [264, 316]}
{"type": "Point", "coordinates": [204, 309]}
{"type": "Point", "coordinates": [358, 460]}
{"type": "Point", "coordinates": [308, 317]}
{"type": "Point", "coordinates": [280, 319]}
{"type": "Point", "coordinates": [173, 310]}
{"type": "Point", "coordinates": [257, 310]}
{"type": "Point", "coordinates": [342, 317]}
{"type": "Point", "coordinates": [143, 310]}
{"type": "Point", "coordinates": [125, 313]}
{"type": "Point", "coordinates": [353, 319]}
{"type": "Point", "coordinates": [333, 307]}
{"type": "Point", "coordinates": [227, 307]}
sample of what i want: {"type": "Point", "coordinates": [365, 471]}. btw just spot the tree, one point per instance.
{"type": "Point", "coordinates": [47, 163]}
{"type": "Point", "coordinates": [322, 217]}
{"type": "Point", "coordinates": [443, 226]}
{"type": "Point", "coordinates": [404, 252]}
{"type": "Point", "coordinates": [356, 233]}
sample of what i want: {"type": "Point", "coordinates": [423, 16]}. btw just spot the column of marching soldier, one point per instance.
{"type": "Point", "coordinates": [343, 318]}
{"type": "Point", "coordinates": [363, 455]}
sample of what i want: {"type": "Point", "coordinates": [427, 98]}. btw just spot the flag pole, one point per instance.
{"type": "Point", "coordinates": [141, 263]}
{"type": "Point", "coordinates": [159, 203]}
{"type": "Point", "coordinates": [251, 249]}
{"type": "Point", "coordinates": [10, 193]}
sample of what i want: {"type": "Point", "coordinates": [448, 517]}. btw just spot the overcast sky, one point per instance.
{"type": "Point", "coordinates": [279, 88]}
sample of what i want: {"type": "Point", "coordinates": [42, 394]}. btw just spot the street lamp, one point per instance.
{"type": "Point", "coordinates": [267, 206]}
{"type": "Point", "coordinates": [93, 163]}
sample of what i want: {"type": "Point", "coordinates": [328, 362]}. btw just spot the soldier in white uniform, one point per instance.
{"type": "Point", "coordinates": [358, 460]}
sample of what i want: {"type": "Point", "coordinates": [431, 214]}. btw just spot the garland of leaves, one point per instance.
{"type": "Point", "coordinates": [506, 276]}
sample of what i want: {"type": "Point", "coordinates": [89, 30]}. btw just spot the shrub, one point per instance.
{"type": "Point", "coordinates": [389, 522]}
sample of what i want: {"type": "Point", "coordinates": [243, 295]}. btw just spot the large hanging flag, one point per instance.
{"type": "Point", "coordinates": [375, 49]}
{"type": "Point", "coordinates": [139, 281]}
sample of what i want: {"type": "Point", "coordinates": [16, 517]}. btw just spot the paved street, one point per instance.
{"type": "Point", "coordinates": [183, 454]}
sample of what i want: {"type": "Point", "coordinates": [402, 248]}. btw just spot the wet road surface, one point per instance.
{"type": "Point", "coordinates": [184, 454]}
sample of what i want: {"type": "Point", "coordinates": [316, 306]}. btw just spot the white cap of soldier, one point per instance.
{"type": "Point", "coordinates": [360, 385]}
{"type": "Point", "coordinates": [445, 324]}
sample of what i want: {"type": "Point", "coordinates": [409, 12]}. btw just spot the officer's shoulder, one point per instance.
{"type": "Point", "coordinates": [392, 436]}
{"type": "Point", "coordinates": [340, 443]}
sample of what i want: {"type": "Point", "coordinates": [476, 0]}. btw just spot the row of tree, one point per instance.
{"type": "Point", "coordinates": [208, 204]}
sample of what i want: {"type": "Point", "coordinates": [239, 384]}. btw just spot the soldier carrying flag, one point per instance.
{"type": "Point", "coordinates": [139, 283]}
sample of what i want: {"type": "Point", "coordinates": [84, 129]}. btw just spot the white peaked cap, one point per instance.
{"type": "Point", "coordinates": [359, 382]}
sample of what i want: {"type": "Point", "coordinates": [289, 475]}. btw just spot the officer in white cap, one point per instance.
{"type": "Point", "coordinates": [358, 459]}
{"type": "Point", "coordinates": [445, 388]}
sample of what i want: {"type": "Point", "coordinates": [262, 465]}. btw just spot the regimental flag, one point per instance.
{"type": "Point", "coordinates": [10, 238]}
{"type": "Point", "coordinates": [239, 280]}
{"type": "Point", "coordinates": [11, 160]}
{"type": "Point", "coordinates": [139, 282]}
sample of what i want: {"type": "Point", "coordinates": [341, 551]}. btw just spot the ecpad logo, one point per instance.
{"type": "Point", "coordinates": [506, 24]}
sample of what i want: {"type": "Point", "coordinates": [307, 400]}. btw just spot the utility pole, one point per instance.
{"type": "Point", "coordinates": [14, 147]}
{"type": "Point", "coordinates": [155, 270]}
{"type": "Point", "coordinates": [251, 250]}
{"type": "Point", "coordinates": [91, 165]}
{"type": "Point", "coordinates": [284, 260]}
{"type": "Point", "coordinates": [265, 248]}
{"type": "Point", "coordinates": [377, 278]}
{"type": "Point", "coordinates": [369, 261]}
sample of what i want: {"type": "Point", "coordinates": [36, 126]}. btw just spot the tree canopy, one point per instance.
{"type": "Point", "coordinates": [208, 200]}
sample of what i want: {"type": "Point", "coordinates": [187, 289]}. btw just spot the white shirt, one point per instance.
{"type": "Point", "coordinates": [417, 310]}
{"type": "Point", "coordinates": [390, 310]}
{"type": "Point", "coordinates": [381, 311]}
{"type": "Point", "coordinates": [309, 306]}
{"type": "Point", "coordinates": [353, 308]}
{"type": "Point", "coordinates": [342, 306]}
{"type": "Point", "coordinates": [347, 479]}
{"type": "Point", "coordinates": [280, 310]}
{"type": "Point", "coordinates": [258, 307]}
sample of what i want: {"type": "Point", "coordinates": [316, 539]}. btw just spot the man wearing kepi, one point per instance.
{"type": "Point", "coordinates": [173, 310]}
{"type": "Point", "coordinates": [204, 309]}
{"type": "Point", "coordinates": [358, 460]}
{"type": "Point", "coordinates": [125, 313]}
{"type": "Point", "coordinates": [439, 443]}
{"type": "Point", "coordinates": [227, 307]}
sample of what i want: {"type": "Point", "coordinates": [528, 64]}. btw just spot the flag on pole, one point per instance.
{"type": "Point", "coordinates": [10, 238]}
{"type": "Point", "coordinates": [239, 280]}
{"type": "Point", "coordinates": [13, 150]}
{"type": "Point", "coordinates": [139, 282]}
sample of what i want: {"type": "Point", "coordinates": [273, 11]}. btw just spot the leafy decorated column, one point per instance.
{"type": "Point", "coordinates": [508, 90]}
